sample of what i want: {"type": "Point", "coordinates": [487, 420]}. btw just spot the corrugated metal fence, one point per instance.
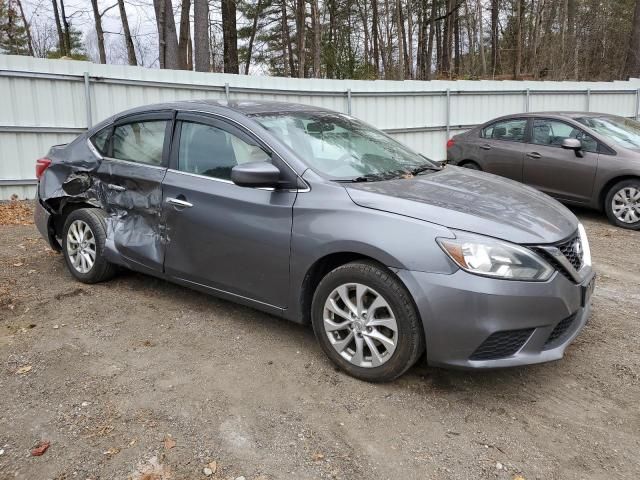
{"type": "Point", "coordinates": [48, 102]}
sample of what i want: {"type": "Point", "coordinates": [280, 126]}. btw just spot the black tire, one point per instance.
{"type": "Point", "coordinates": [410, 343]}
{"type": "Point", "coordinates": [471, 165]}
{"type": "Point", "coordinates": [608, 203]}
{"type": "Point", "coordinates": [101, 270]}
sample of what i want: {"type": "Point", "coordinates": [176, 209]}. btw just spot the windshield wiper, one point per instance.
{"type": "Point", "coordinates": [425, 168]}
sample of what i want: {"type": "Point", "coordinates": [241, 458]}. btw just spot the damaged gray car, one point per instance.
{"type": "Point", "coordinates": [316, 217]}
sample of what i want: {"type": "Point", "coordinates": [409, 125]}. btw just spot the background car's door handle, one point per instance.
{"type": "Point", "coordinates": [116, 188]}
{"type": "Point", "coordinates": [485, 147]}
{"type": "Point", "coordinates": [179, 203]}
{"type": "Point", "coordinates": [533, 155]}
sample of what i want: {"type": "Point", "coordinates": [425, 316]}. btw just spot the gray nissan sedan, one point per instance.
{"type": "Point", "coordinates": [319, 218]}
{"type": "Point", "coordinates": [583, 159]}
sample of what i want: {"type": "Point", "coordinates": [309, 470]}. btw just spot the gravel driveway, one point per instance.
{"type": "Point", "coordinates": [138, 378]}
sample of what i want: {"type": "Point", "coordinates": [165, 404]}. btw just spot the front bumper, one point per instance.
{"type": "Point", "coordinates": [478, 322]}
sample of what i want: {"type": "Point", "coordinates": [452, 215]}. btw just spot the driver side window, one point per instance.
{"type": "Point", "coordinates": [553, 132]}
{"type": "Point", "coordinates": [211, 151]}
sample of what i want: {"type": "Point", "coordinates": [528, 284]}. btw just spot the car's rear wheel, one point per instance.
{"type": "Point", "coordinates": [622, 204]}
{"type": "Point", "coordinates": [83, 240]}
{"type": "Point", "coordinates": [470, 165]}
{"type": "Point", "coordinates": [366, 322]}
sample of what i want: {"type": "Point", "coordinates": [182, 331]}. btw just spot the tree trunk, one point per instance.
{"type": "Point", "coordinates": [185, 35]}
{"type": "Point", "coordinates": [61, 43]}
{"type": "Point", "coordinates": [99, 32]}
{"type": "Point", "coordinates": [632, 64]}
{"type": "Point", "coordinates": [285, 38]}
{"type": "Point", "coordinates": [374, 33]}
{"type": "Point", "coordinates": [519, 14]}
{"type": "Point", "coordinates": [317, 36]}
{"type": "Point", "coordinates": [254, 29]}
{"type": "Point", "coordinates": [432, 25]}
{"type": "Point", "coordinates": [494, 37]}
{"type": "Point", "coordinates": [167, 36]}
{"type": "Point", "coordinates": [131, 51]}
{"type": "Point", "coordinates": [400, 35]}
{"type": "Point", "coordinates": [230, 36]}
{"type": "Point", "coordinates": [483, 59]}
{"type": "Point", "coordinates": [301, 14]}
{"type": "Point", "coordinates": [456, 39]}
{"type": "Point", "coordinates": [447, 39]}
{"type": "Point", "coordinates": [201, 35]}
{"type": "Point", "coordinates": [27, 28]}
{"type": "Point", "coordinates": [67, 30]}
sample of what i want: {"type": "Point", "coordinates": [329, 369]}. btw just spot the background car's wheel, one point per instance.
{"type": "Point", "coordinates": [83, 239]}
{"type": "Point", "coordinates": [622, 204]}
{"type": "Point", "coordinates": [470, 165]}
{"type": "Point", "coordinates": [366, 322]}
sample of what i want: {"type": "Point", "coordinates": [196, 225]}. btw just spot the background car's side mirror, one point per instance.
{"type": "Point", "coordinates": [573, 144]}
{"type": "Point", "coordinates": [256, 175]}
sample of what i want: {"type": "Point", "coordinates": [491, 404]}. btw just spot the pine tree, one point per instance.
{"type": "Point", "coordinates": [13, 34]}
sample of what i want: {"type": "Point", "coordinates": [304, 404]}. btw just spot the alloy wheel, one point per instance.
{"type": "Point", "coordinates": [360, 325]}
{"type": "Point", "coordinates": [626, 205]}
{"type": "Point", "coordinates": [81, 246]}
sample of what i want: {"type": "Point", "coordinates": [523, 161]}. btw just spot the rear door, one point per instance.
{"type": "Point", "coordinates": [558, 171]}
{"type": "Point", "coordinates": [225, 237]}
{"type": "Point", "coordinates": [501, 147]}
{"type": "Point", "coordinates": [131, 174]}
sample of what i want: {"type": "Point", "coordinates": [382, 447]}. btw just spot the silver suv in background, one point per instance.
{"type": "Point", "coordinates": [583, 159]}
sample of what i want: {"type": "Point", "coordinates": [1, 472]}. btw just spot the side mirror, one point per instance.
{"type": "Point", "coordinates": [573, 144]}
{"type": "Point", "coordinates": [256, 175]}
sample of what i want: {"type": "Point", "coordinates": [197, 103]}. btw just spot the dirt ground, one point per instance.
{"type": "Point", "coordinates": [138, 378]}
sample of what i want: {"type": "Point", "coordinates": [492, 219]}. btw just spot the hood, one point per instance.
{"type": "Point", "coordinates": [472, 201]}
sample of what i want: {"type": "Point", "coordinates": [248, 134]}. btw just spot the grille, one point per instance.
{"type": "Point", "coordinates": [559, 332]}
{"type": "Point", "coordinates": [572, 249]}
{"type": "Point", "coordinates": [502, 344]}
{"type": "Point", "coordinates": [569, 250]}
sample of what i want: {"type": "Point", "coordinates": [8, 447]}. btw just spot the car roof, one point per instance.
{"type": "Point", "coordinates": [556, 114]}
{"type": "Point", "coordinates": [243, 107]}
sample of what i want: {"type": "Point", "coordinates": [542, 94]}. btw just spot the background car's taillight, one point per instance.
{"type": "Point", "coordinates": [41, 165]}
{"type": "Point", "coordinates": [450, 143]}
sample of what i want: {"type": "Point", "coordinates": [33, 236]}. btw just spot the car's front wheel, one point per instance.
{"type": "Point", "coordinates": [622, 204]}
{"type": "Point", "coordinates": [83, 240]}
{"type": "Point", "coordinates": [366, 322]}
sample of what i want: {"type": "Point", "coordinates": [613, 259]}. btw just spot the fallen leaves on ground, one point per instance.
{"type": "Point", "coordinates": [112, 451]}
{"type": "Point", "coordinates": [152, 469]}
{"type": "Point", "coordinates": [16, 212]}
{"type": "Point", "coordinates": [318, 456]}
{"type": "Point", "coordinates": [24, 370]}
{"type": "Point", "coordinates": [169, 442]}
{"type": "Point", "coordinates": [40, 448]}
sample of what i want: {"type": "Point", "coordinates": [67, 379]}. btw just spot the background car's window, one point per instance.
{"type": "Point", "coordinates": [509, 130]}
{"type": "Point", "coordinates": [622, 131]}
{"type": "Point", "coordinates": [140, 142]}
{"type": "Point", "coordinates": [211, 151]}
{"type": "Point", "coordinates": [100, 140]}
{"type": "Point", "coordinates": [553, 132]}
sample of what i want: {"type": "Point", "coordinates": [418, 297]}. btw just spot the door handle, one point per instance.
{"type": "Point", "coordinates": [115, 188]}
{"type": "Point", "coordinates": [485, 147]}
{"type": "Point", "coordinates": [533, 155]}
{"type": "Point", "coordinates": [176, 202]}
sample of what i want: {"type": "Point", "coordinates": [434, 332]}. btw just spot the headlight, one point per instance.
{"type": "Point", "coordinates": [586, 250]}
{"type": "Point", "coordinates": [494, 258]}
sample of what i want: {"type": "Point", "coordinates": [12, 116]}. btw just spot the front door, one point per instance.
{"type": "Point", "coordinates": [222, 236]}
{"type": "Point", "coordinates": [500, 148]}
{"type": "Point", "coordinates": [557, 171]}
{"type": "Point", "coordinates": [131, 174]}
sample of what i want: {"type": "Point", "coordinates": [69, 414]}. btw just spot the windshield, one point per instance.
{"type": "Point", "coordinates": [343, 148]}
{"type": "Point", "coordinates": [622, 131]}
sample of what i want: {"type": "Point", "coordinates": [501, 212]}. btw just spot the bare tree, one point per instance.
{"type": "Point", "coordinates": [201, 35]}
{"type": "Point", "coordinates": [230, 36]}
{"type": "Point", "coordinates": [62, 45]}
{"type": "Point", "coordinates": [301, 14]}
{"type": "Point", "coordinates": [184, 40]}
{"type": "Point", "coordinates": [494, 36]}
{"type": "Point", "coordinates": [167, 37]}
{"type": "Point", "coordinates": [97, 18]}
{"type": "Point", "coordinates": [632, 64]}
{"type": "Point", "coordinates": [128, 40]}
{"type": "Point", "coordinates": [27, 28]}
{"type": "Point", "coordinates": [252, 37]}
{"type": "Point", "coordinates": [316, 26]}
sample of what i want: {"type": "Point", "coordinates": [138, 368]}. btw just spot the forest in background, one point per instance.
{"type": "Point", "coordinates": [355, 39]}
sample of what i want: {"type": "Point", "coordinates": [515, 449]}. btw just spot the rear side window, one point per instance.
{"type": "Point", "coordinates": [508, 130]}
{"type": "Point", "coordinates": [140, 142]}
{"type": "Point", "coordinates": [213, 152]}
{"type": "Point", "coordinates": [100, 140]}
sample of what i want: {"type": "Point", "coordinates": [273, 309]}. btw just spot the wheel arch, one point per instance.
{"type": "Point", "coordinates": [602, 196]}
{"type": "Point", "coordinates": [62, 208]}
